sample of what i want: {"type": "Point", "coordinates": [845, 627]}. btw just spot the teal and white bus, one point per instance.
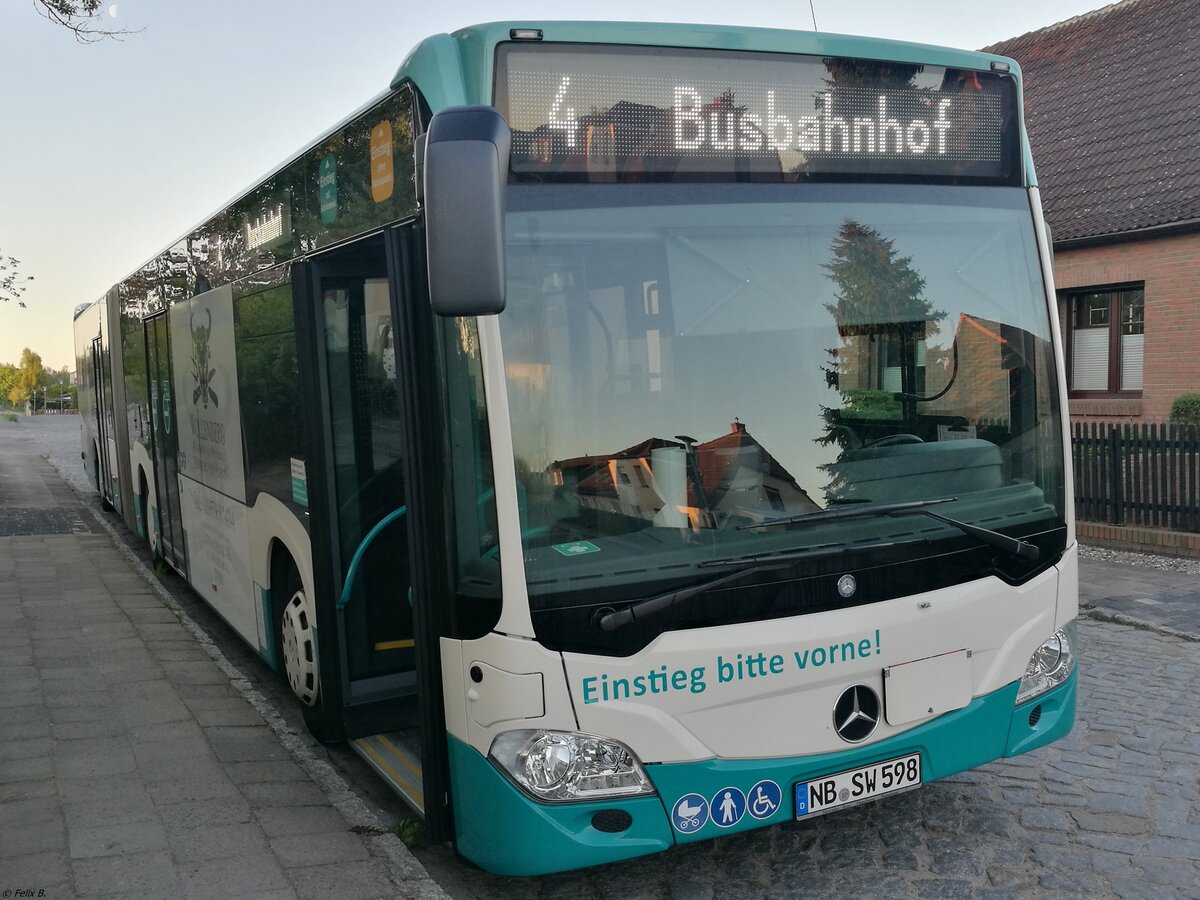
{"type": "Point", "coordinates": [624, 435]}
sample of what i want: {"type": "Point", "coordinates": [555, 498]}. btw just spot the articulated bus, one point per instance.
{"type": "Point", "coordinates": [623, 435]}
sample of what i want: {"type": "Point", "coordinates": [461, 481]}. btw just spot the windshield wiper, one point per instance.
{"type": "Point", "coordinates": [763, 562]}
{"type": "Point", "coordinates": [1015, 546]}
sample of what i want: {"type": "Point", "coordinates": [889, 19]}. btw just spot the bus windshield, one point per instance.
{"type": "Point", "coordinates": [686, 364]}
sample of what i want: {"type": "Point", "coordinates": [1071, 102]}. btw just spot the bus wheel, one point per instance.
{"type": "Point", "coordinates": [297, 649]}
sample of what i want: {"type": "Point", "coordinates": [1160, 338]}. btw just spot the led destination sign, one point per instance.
{"type": "Point", "coordinates": [586, 113]}
{"type": "Point", "coordinates": [867, 130]}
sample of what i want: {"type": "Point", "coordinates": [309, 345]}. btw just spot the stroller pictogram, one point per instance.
{"type": "Point", "coordinates": [690, 813]}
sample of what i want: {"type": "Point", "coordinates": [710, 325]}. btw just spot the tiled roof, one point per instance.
{"type": "Point", "coordinates": [1112, 103]}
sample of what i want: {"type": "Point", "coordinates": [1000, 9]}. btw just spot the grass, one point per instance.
{"type": "Point", "coordinates": [410, 831]}
{"type": "Point", "coordinates": [12, 417]}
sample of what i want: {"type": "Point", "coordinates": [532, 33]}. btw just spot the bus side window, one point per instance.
{"type": "Point", "coordinates": [267, 374]}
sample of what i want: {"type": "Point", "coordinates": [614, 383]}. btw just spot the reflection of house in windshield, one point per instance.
{"type": "Point", "coordinates": [682, 483]}
{"type": "Point", "coordinates": [969, 383]}
{"type": "Point", "coordinates": [894, 379]}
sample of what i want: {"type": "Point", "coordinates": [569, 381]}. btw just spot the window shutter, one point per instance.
{"type": "Point", "coordinates": [1131, 361]}
{"type": "Point", "coordinates": [1089, 364]}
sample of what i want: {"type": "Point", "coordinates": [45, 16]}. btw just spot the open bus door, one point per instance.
{"type": "Point", "coordinates": [370, 555]}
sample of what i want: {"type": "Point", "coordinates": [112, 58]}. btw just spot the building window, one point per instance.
{"type": "Point", "coordinates": [1106, 333]}
{"type": "Point", "coordinates": [891, 364]}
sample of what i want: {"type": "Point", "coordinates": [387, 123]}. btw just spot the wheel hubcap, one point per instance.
{"type": "Point", "coordinates": [299, 652]}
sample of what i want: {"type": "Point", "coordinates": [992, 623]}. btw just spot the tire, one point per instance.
{"type": "Point", "coordinates": [294, 643]}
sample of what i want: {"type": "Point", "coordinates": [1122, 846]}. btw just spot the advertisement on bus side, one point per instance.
{"type": "Point", "coordinates": [212, 476]}
{"type": "Point", "coordinates": [206, 391]}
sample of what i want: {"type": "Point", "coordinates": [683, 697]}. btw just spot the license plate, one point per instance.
{"type": "Point", "coordinates": [822, 795]}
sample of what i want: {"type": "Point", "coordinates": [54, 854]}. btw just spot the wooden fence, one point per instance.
{"type": "Point", "coordinates": [1145, 474]}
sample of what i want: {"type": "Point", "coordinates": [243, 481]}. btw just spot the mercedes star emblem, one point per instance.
{"type": "Point", "coordinates": [856, 714]}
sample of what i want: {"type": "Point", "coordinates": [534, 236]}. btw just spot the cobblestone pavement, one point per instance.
{"type": "Point", "coordinates": [1113, 810]}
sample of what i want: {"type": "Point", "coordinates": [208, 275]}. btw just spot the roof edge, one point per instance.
{"type": "Point", "coordinates": [1046, 29]}
{"type": "Point", "coordinates": [1138, 234]}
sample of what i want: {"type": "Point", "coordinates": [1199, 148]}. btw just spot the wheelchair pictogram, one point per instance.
{"type": "Point", "coordinates": [763, 799]}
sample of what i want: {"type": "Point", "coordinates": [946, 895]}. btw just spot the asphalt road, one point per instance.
{"type": "Point", "coordinates": [1113, 810]}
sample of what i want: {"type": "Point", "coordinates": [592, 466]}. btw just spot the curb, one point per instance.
{"type": "Point", "coordinates": [1100, 614]}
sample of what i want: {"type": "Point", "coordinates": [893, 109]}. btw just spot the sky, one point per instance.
{"type": "Point", "coordinates": [94, 138]}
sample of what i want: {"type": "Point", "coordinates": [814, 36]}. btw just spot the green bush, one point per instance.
{"type": "Point", "coordinates": [1185, 410]}
{"type": "Point", "coordinates": [868, 404]}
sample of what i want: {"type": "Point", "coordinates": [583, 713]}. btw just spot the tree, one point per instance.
{"type": "Point", "coordinates": [12, 286]}
{"type": "Point", "coordinates": [29, 377]}
{"type": "Point", "coordinates": [880, 297]}
{"type": "Point", "coordinates": [8, 378]}
{"type": "Point", "coordinates": [56, 389]}
{"type": "Point", "coordinates": [877, 290]}
{"type": "Point", "coordinates": [82, 18]}
{"type": "Point", "coordinates": [880, 301]}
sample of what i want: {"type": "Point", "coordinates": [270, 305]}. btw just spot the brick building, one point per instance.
{"type": "Point", "coordinates": [1112, 104]}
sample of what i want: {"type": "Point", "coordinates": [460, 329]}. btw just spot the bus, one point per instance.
{"type": "Point", "coordinates": [623, 435]}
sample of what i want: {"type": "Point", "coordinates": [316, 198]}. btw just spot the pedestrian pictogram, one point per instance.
{"type": "Point", "coordinates": [728, 807]}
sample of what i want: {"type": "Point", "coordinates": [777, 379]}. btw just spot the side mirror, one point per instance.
{"type": "Point", "coordinates": [465, 173]}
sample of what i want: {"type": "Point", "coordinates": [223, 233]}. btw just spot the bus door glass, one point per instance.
{"type": "Point", "coordinates": [368, 473]}
{"type": "Point", "coordinates": [103, 432]}
{"type": "Point", "coordinates": [165, 437]}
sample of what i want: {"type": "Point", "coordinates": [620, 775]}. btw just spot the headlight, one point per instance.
{"type": "Point", "coordinates": [1050, 665]}
{"type": "Point", "coordinates": [566, 765]}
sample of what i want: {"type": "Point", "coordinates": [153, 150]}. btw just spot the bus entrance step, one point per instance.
{"type": "Point", "coordinates": [398, 763]}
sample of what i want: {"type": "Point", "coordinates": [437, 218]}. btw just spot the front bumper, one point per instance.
{"type": "Point", "coordinates": [502, 830]}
